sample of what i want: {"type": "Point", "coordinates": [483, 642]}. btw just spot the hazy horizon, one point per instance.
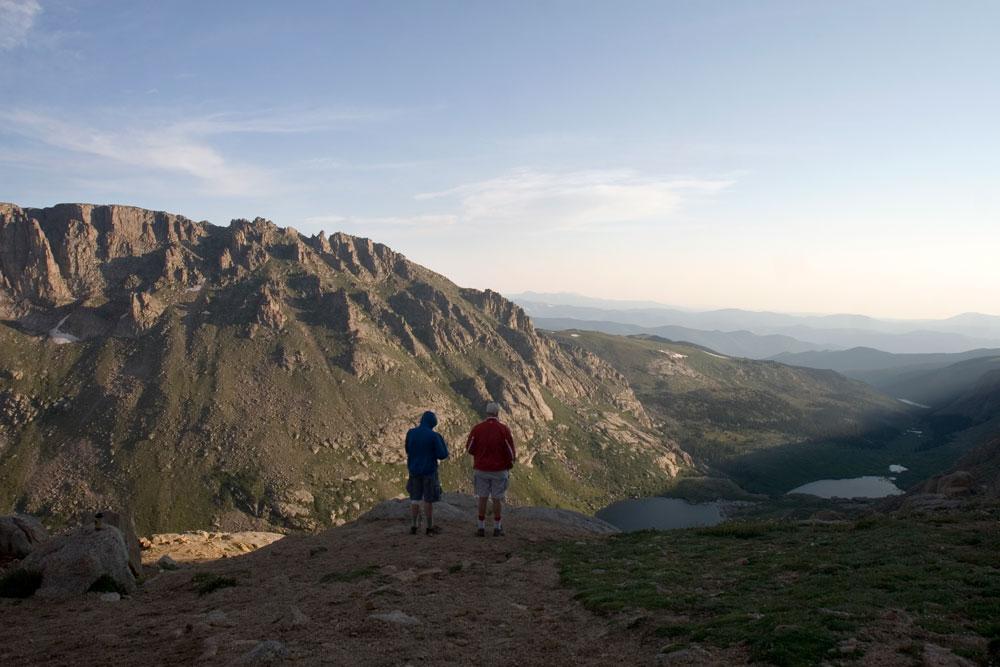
{"type": "Point", "coordinates": [774, 156]}
{"type": "Point", "coordinates": [709, 308]}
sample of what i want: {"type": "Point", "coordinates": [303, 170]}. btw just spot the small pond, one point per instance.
{"type": "Point", "coordinates": [660, 514]}
{"type": "Point", "coordinates": [857, 487]}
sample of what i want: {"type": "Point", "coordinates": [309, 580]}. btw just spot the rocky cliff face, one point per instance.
{"type": "Point", "coordinates": [254, 376]}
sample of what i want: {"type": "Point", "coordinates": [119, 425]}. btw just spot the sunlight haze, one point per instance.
{"type": "Point", "coordinates": [787, 156]}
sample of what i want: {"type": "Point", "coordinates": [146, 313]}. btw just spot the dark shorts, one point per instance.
{"type": "Point", "coordinates": [424, 487]}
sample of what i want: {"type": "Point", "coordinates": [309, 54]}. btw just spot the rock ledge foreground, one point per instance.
{"type": "Point", "coordinates": [365, 593]}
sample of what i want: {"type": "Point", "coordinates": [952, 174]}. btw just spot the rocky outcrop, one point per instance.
{"type": "Point", "coordinates": [180, 267]}
{"type": "Point", "coordinates": [20, 535]}
{"type": "Point", "coordinates": [121, 231]}
{"type": "Point", "coordinates": [70, 564]}
{"type": "Point", "coordinates": [143, 313]}
{"type": "Point", "coordinates": [269, 310]}
{"type": "Point", "coordinates": [248, 243]}
{"type": "Point", "coordinates": [68, 247]}
{"type": "Point", "coordinates": [124, 523]}
{"type": "Point", "coordinates": [16, 410]}
{"type": "Point", "coordinates": [958, 483]}
{"type": "Point", "coordinates": [461, 507]}
{"type": "Point", "coordinates": [200, 545]}
{"type": "Point", "coordinates": [28, 267]}
{"type": "Point", "coordinates": [364, 259]}
{"type": "Point", "coordinates": [506, 312]}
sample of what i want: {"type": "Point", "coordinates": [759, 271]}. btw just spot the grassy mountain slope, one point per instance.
{"type": "Point", "coordinates": [251, 376]}
{"type": "Point", "coordinates": [734, 414]}
{"type": "Point", "coordinates": [937, 387]}
{"type": "Point", "coordinates": [879, 590]}
{"type": "Point", "coordinates": [931, 379]}
{"type": "Point", "coordinates": [857, 361]}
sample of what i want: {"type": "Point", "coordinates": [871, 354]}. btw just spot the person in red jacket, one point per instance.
{"type": "Point", "coordinates": [493, 455]}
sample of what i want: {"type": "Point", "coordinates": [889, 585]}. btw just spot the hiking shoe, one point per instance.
{"type": "Point", "coordinates": [433, 530]}
{"type": "Point", "coordinates": [480, 532]}
{"type": "Point", "coordinates": [498, 532]}
{"type": "Point", "coordinates": [413, 530]}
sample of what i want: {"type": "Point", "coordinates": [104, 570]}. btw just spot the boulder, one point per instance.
{"type": "Point", "coordinates": [123, 522]}
{"type": "Point", "coordinates": [929, 502]}
{"type": "Point", "coordinates": [400, 509]}
{"type": "Point", "coordinates": [396, 617]}
{"type": "Point", "coordinates": [960, 483]}
{"type": "Point", "coordinates": [19, 535]}
{"type": "Point", "coordinates": [167, 563]}
{"type": "Point", "coordinates": [71, 563]}
{"type": "Point", "coordinates": [265, 652]}
{"type": "Point", "coordinates": [566, 518]}
{"type": "Point", "coordinates": [460, 507]}
{"type": "Point", "coordinates": [938, 656]}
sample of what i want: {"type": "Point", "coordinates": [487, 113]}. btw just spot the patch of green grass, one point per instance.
{"type": "Point", "coordinates": [207, 582]}
{"type": "Point", "coordinates": [348, 576]}
{"type": "Point", "coordinates": [20, 584]}
{"type": "Point", "coordinates": [789, 593]}
{"type": "Point", "coordinates": [744, 530]}
{"type": "Point", "coordinates": [706, 489]}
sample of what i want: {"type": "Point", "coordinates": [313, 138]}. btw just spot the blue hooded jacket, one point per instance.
{"type": "Point", "coordinates": [424, 446]}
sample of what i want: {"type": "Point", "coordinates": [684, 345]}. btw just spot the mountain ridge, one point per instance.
{"type": "Point", "coordinates": [278, 371]}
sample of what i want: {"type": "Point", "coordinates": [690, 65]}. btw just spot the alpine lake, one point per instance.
{"type": "Point", "coordinates": [671, 513]}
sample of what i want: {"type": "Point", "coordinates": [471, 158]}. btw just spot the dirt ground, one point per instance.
{"type": "Point", "coordinates": [448, 599]}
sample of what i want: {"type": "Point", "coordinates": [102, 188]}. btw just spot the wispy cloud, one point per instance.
{"type": "Point", "coordinates": [17, 18]}
{"type": "Point", "coordinates": [572, 199]}
{"type": "Point", "coordinates": [335, 164]}
{"type": "Point", "coordinates": [282, 121]}
{"type": "Point", "coordinates": [545, 201]}
{"type": "Point", "coordinates": [422, 222]}
{"type": "Point", "coordinates": [168, 148]}
{"type": "Point", "coordinates": [182, 146]}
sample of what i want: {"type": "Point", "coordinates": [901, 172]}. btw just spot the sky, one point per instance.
{"type": "Point", "coordinates": [791, 156]}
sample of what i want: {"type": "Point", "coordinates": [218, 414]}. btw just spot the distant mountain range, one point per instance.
{"type": "Point", "coordinates": [731, 343]}
{"type": "Point", "coordinates": [819, 332]}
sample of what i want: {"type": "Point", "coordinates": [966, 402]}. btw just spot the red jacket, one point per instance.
{"type": "Point", "coordinates": [491, 446]}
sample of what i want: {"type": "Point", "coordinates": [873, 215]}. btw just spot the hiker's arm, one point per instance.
{"type": "Point", "coordinates": [511, 450]}
{"type": "Point", "coordinates": [442, 447]}
{"type": "Point", "coordinates": [470, 441]}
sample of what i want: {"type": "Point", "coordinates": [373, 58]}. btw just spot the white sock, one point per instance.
{"type": "Point", "coordinates": [482, 524]}
{"type": "Point", "coordinates": [498, 524]}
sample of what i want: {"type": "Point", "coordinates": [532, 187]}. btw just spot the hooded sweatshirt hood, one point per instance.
{"type": "Point", "coordinates": [424, 446]}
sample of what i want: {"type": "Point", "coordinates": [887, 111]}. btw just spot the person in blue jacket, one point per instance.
{"type": "Point", "coordinates": [424, 448]}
